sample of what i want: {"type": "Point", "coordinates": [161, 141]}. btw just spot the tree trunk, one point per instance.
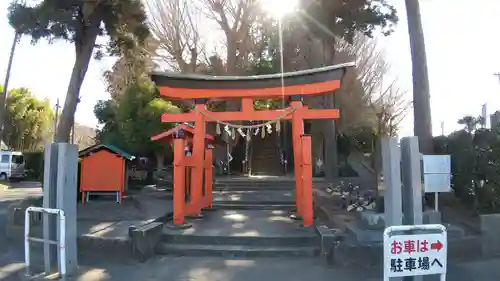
{"type": "Point", "coordinates": [317, 144]}
{"type": "Point", "coordinates": [331, 152]}
{"type": "Point", "coordinates": [232, 69]}
{"type": "Point", "coordinates": [3, 98]}
{"type": "Point", "coordinates": [421, 97]}
{"type": "Point", "coordinates": [83, 49]}
{"type": "Point", "coordinates": [160, 159]}
{"type": "Point", "coordinates": [329, 126]}
{"type": "Point", "coordinates": [376, 163]}
{"type": "Point", "coordinates": [319, 53]}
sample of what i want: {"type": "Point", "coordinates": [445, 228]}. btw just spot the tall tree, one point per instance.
{"type": "Point", "coordinates": [176, 25]}
{"type": "Point", "coordinates": [133, 114]}
{"type": "Point", "coordinates": [131, 119]}
{"type": "Point", "coordinates": [422, 122]}
{"type": "Point", "coordinates": [326, 21]}
{"type": "Point", "coordinates": [249, 38]}
{"type": "Point", "coordinates": [133, 66]}
{"type": "Point", "coordinates": [81, 22]}
{"type": "Point", "coordinates": [343, 19]}
{"type": "Point", "coordinates": [386, 106]}
{"type": "Point", "coordinates": [3, 96]}
{"type": "Point", "coordinates": [28, 120]}
{"type": "Point", "coordinates": [471, 123]}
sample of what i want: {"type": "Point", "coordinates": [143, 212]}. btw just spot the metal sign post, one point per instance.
{"type": "Point", "coordinates": [423, 252]}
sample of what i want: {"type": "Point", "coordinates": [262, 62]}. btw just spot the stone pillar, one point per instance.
{"type": "Point", "coordinates": [391, 169]}
{"type": "Point", "coordinates": [391, 158]}
{"type": "Point", "coordinates": [412, 181]}
{"type": "Point", "coordinates": [50, 201]}
{"type": "Point", "coordinates": [412, 186]}
{"type": "Point", "coordinates": [60, 192]}
{"type": "Point", "coordinates": [67, 175]}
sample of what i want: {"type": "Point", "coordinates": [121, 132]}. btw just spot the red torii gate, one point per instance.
{"type": "Point", "coordinates": [201, 89]}
{"type": "Point", "coordinates": [192, 206]}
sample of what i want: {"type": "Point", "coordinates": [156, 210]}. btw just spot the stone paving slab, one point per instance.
{"type": "Point", "coordinates": [262, 223]}
{"type": "Point", "coordinates": [287, 179]}
{"type": "Point", "coordinates": [261, 196]}
{"type": "Point", "coordinates": [107, 229]}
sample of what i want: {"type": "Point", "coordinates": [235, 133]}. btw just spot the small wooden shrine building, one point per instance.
{"type": "Point", "coordinates": [103, 170]}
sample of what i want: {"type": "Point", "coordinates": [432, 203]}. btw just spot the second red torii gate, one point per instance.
{"type": "Point", "coordinates": [197, 200]}
{"type": "Point", "coordinates": [292, 85]}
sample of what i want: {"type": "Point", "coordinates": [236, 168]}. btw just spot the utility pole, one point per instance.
{"type": "Point", "coordinates": [55, 120]}
{"type": "Point", "coordinates": [73, 125]}
{"type": "Point", "coordinates": [421, 96]}
{"type": "Point", "coordinates": [73, 133]}
{"type": "Point", "coordinates": [484, 115]}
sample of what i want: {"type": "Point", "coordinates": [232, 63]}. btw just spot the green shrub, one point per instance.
{"type": "Point", "coordinates": [34, 165]}
{"type": "Point", "coordinates": [475, 167]}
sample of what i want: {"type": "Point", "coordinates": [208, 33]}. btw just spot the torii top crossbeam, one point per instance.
{"type": "Point", "coordinates": [291, 84]}
{"type": "Point", "coordinates": [306, 82]}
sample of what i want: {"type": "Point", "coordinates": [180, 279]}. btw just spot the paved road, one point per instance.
{"type": "Point", "coordinates": [219, 269]}
{"type": "Point", "coordinates": [10, 196]}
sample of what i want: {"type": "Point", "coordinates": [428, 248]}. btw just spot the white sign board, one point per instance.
{"type": "Point", "coordinates": [437, 164]}
{"type": "Point", "coordinates": [437, 183]}
{"type": "Point", "coordinates": [414, 254]}
{"type": "Point", "coordinates": [437, 173]}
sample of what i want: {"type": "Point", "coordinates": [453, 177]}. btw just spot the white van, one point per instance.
{"type": "Point", "coordinates": [11, 165]}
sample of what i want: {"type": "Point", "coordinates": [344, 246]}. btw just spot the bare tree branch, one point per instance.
{"type": "Point", "coordinates": [384, 101]}
{"type": "Point", "coordinates": [174, 24]}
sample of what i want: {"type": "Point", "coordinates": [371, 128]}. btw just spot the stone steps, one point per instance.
{"type": "Point", "coordinates": [246, 184]}
{"type": "Point", "coordinates": [254, 199]}
{"type": "Point", "coordinates": [257, 188]}
{"type": "Point", "coordinates": [253, 196]}
{"type": "Point", "coordinates": [248, 219]}
{"type": "Point", "coordinates": [268, 205]}
{"type": "Point", "coordinates": [231, 205]}
{"type": "Point", "coordinates": [236, 250]}
{"type": "Point", "coordinates": [250, 241]}
{"type": "Point", "coordinates": [245, 233]}
{"type": "Point", "coordinates": [265, 159]}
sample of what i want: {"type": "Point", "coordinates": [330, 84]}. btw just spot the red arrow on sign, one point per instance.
{"type": "Point", "coordinates": [437, 246]}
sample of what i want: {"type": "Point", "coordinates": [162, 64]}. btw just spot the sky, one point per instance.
{"type": "Point", "coordinates": [462, 44]}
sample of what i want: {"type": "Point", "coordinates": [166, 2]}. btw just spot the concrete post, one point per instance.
{"type": "Point", "coordinates": [60, 191]}
{"type": "Point", "coordinates": [391, 168]}
{"type": "Point", "coordinates": [412, 181]}
{"type": "Point", "coordinates": [412, 186]}
{"type": "Point", "coordinates": [50, 201]}
{"type": "Point", "coordinates": [391, 158]}
{"type": "Point", "coordinates": [67, 175]}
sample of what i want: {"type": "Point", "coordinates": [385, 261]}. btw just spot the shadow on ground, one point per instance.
{"type": "Point", "coordinates": [198, 269]}
{"type": "Point", "coordinates": [220, 269]}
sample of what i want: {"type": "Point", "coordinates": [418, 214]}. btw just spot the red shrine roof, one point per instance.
{"type": "Point", "coordinates": [167, 136]}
